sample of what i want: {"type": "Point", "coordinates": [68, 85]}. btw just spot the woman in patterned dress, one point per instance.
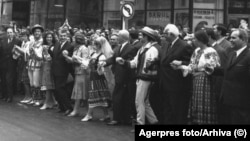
{"type": "Point", "coordinates": [35, 64]}
{"type": "Point", "coordinates": [47, 81]}
{"type": "Point", "coordinates": [99, 93]}
{"type": "Point", "coordinates": [80, 55]}
{"type": "Point", "coordinates": [202, 107]}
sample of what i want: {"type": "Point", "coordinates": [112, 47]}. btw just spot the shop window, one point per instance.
{"type": "Point", "coordinates": [140, 5]}
{"type": "Point", "coordinates": [112, 20]}
{"type": "Point", "coordinates": [207, 16]}
{"type": "Point", "coordinates": [158, 4]}
{"type": "Point", "coordinates": [180, 4]}
{"type": "Point", "coordinates": [158, 18]}
{"type": "Point", "coordinates": [138, 20]}
{"type": "Point", "coordinates": [209, 4]}
{"type": "Point", "coordinates": [111, 5]}
{"type": "Point", "coordinates": [181, 17]}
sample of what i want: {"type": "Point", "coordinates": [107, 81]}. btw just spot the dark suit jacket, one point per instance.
{"type": "Point", "coordinates": [170, 79]}
{"type": "Point", "coordinates": [6, 60]}
{"type": "Point", "coordinates": [60, 67]}
{"type": "Point", "coordinates": [222, 54]}
{"type": "Point", "coordinates": [236, 85]}
{"type": "Point", "coordinates": [218, 80]}
{"type": "Point", "coordinates": [225, 44]}
{"type": "Point", "coordinates": [122, 72]}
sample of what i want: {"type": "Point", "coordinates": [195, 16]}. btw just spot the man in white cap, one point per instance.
{"type": "Point", "coordinates": [174, 87]}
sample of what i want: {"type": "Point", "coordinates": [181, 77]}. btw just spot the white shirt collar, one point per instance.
{"type": "Point", "coordinates": [213, 44]}
{"type": "Point", "coordinates": [63, 43]}
{"type": "Point", "coordinates": [124, 44]}
{"type": "Point", "coordinates": [174, 41]}
{"type": "Point", "coordinates": [220, 40]}
{"type": "Point", "coordinates": [135, 41]}
{"type": "Point", "coordinates": [238, 52]}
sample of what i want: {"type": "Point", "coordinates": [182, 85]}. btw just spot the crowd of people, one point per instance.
{"type": "Point", "coordinates": [146, 76]}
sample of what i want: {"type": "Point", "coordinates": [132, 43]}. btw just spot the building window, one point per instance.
{"type": "Point", "coordinates": [158, 4]}
{"type": "Point", "coordinates": [112, 20]}
{"type": "Point", "coordinates": [181, 13]}
{"type": "Point", "coordinates": [138, 20]}
{"type": "Point", "coordinates": [111, 5]}
{"type": "Point", "coordinates": [112, 17]}
{"type": "Point", "coordinates": [181, 18]}
{"type": "Point", "coordinates": [207, 11]}
{"type": "Point", "coordinates": [158, 19]}
{"type": "Point", "coordinates": [7, 12]}
{"type": "Point", "coordinates": [181, 4]}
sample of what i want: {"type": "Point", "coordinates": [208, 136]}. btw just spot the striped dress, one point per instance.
{"type": "Point", "coordinates": [35, 57]}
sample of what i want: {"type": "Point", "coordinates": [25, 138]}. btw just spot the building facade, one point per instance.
{"type": "Point", "coordinates": [106, 13]}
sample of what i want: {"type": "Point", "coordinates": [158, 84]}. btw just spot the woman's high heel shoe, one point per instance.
{"type": "Point", "coordinates": [73, 114]}
{"type": "Point", "coordinates": [87, 118]}
{"type": "Point", "coordinates": [44, 107]}
{"type": "Point", "coordinates": [105, 119]}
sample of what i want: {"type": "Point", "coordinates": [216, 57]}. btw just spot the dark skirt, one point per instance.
{"type": "Point", "coordinates": [22, 72]}
{"type": "Point", "coordinates": [202, 106]}
{"type": "Point", "coordinates": [99, 94]}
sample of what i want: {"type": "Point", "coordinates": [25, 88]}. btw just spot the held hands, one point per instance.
{"type": "Point", "coordinates": [100, 68]}
{"type": "Point", "coordinates": [102, 63]}
{"type": "Point", "coordinates": [74, 58]}
{"type": "Point", "coordinates": [119, 60]}
{"type": "Point", "coordinates": [52, 48]}
{"type": "Point", "coordinates": [31, 50]}
{"type": "Point", "coordinates": [176, 64]}
{"type": "Point", "coordinates": [65, 53]}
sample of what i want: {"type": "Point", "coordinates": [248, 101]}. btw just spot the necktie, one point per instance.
{"type": "Point", "coordinates": [9, 40]}
{"type": "Point", "coordinates": [61, 44]}
{"type": "Point", "coordinates": [234, 57]}
{"type": "Point", "coordinates": [121, 48]}
{"type": "Point", "coordinates": [169, 47]}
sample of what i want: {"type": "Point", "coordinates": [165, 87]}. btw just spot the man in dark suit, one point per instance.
{"type": "Point", "coordinates": [236, 84]}
{"type": "Point", "coordinates": [136, 45]}
{"type": "Point", "coordinates": [174, 87]}
{"type": "Point", "coordinates": [8, 65]}
{"type": "Point", "coordinates": [114, 41]}
{"type": "Point", "coordinates": [115, 47]}
{"type": "Point", "coordinates": [218, 80]}
{"type": "Point", "coordinates": [220, 31]}
{"type": "Point", "coordinates": [60, 70]}
{"type": "Point", "coordinates": [122, 79]}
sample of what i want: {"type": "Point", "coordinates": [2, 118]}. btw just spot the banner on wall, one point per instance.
{"type": "Point", "coordinates": [203, 15]}
{"type": "Point", "coordinates": [208, 4]}
{"type": "Point", "coordinates": [160, 18]}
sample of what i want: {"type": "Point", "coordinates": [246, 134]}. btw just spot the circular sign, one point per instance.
{"type": "Point", "coordinates": [127, 10]}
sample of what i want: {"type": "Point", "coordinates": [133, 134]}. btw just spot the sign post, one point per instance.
{"type": "Point", "coordinates": [127, 11]}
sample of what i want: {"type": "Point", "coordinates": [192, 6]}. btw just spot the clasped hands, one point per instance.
{"type": "Point", "coordinates": [120, 60]}
{"type": "Point", "coordinates": [176, 64]}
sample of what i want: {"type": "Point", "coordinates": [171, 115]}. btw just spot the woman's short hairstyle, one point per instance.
{"type": "Point", "coordinates": [210, 32]}
{"type": "Point", "coordinates": [202, 36]}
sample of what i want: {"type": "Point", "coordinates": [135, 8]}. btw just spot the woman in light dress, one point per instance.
{"type": "Point", "coordinates": [47, 81]}
{"type": "Point", "coordinates": [80, 55]}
